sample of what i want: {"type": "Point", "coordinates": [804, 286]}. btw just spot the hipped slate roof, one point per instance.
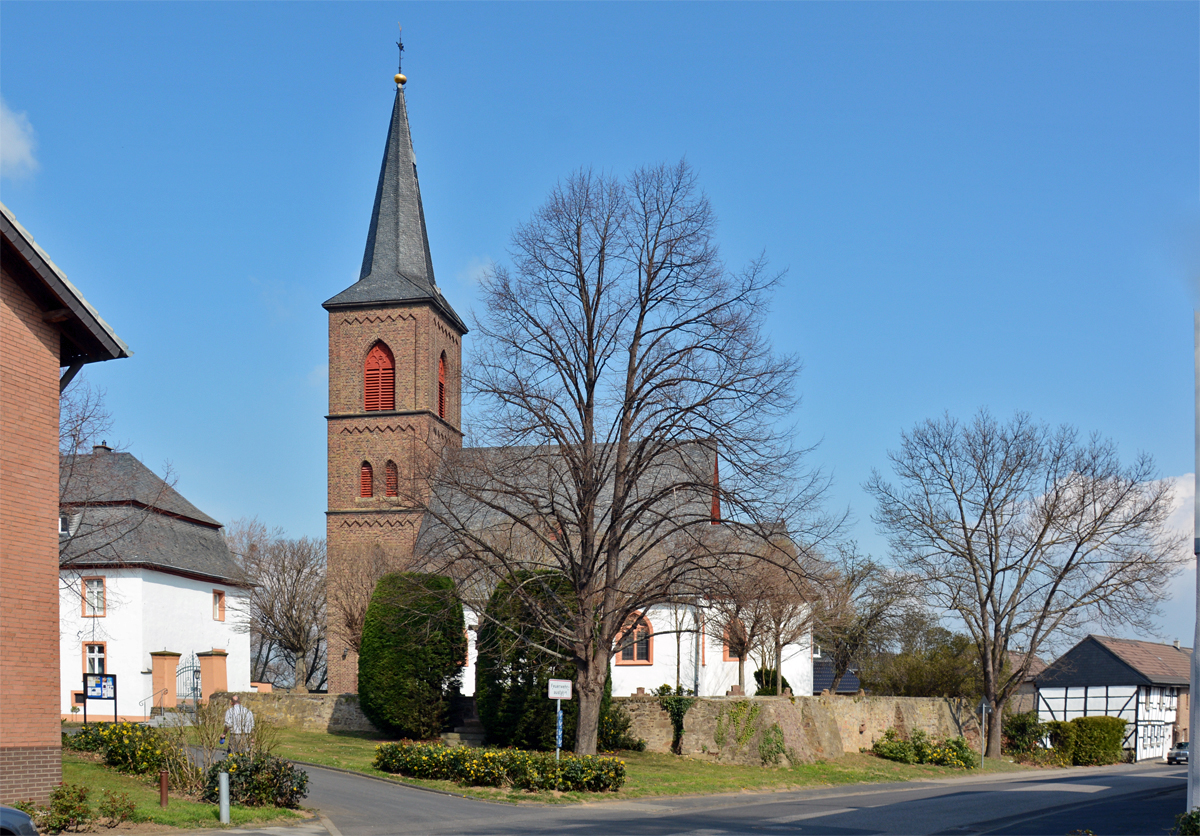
{"type": "Point", "coordinates": [87, 338]}
{"type": "Point", "coordinates": [1101, 660]}
{"type": "Point", "coordinates": [823, 678]}
{"type": "Point", "coordinates": [129, 517]}
{"type": "Point", "coordinates": [397, 266]}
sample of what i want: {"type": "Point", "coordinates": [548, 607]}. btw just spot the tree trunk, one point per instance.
{"type": "Point", "coordinates": [995, 729]}
{"type": "Point", "coordinates": [301, 686]}
{"type": "Point", "coordinates": [742, 672]}
{"type": "Point", "coordinates": [778, 669]}
{"type": "Point", "coordinates": [591, 694]}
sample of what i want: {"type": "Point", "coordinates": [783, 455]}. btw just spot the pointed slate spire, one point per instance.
{"type": "Point", "coordinates": [397, 266]}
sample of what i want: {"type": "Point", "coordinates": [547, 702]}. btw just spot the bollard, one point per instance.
{"type": "Point", "coordinates": [223, 779]}
{"type": "Point", "coordinates": [162, 788]}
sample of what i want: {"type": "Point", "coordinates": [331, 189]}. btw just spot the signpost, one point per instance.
{"type": "Point", "coordinates": [558, 690]}
{"type": "Point", "coordinates": [985, 708]}
{"type": "Point", "coordinates": [99, 686]}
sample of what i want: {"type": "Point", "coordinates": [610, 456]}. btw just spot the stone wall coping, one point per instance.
{"type": "Point", "coordinates": [165, 653]}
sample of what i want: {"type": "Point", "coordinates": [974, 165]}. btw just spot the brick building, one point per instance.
{"type": "Point", "coordinates": [45, 325]}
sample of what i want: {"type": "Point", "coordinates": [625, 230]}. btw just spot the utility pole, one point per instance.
{"type": "Point", "coordinates": [1193, 782]}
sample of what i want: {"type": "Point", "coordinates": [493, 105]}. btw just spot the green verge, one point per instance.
{"type": "Point", "coordinates": [78, 768]}
{"type": "Point", "coordinates": [649, 773]}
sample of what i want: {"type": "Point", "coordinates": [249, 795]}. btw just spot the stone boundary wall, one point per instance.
{"type": "Point", "coordinates": [743, 729]}
{"type": "Point", "coordinates": [311, 712]}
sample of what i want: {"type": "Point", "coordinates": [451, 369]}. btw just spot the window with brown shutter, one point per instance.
{"type": "Point", "coordinates": [392, 480]}
{"type": "Point", "coordinates": [379, 380]}
{"type": "Point", "coordinates": [442, 386]}
{"type": "Point", "coordinates": [366, 485]}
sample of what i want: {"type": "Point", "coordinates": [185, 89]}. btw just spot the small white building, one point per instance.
{"type": "Point", "coordinates": [665, 648]}
{"type": "Point", "coordinates": [148, 592]}
{"type": "Point", "coordinates": [1141, 682]}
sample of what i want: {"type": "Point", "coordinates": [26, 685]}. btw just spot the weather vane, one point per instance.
{"type": "Point", "coordinates": [400, 46]}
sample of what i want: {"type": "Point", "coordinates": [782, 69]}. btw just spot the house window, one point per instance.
{"type": "Point", "coordinates": [366, 486]}
{"type": "Point", "coordinates": [379, 380]}
{"type": "Point", "coordinates": [93, 657]}
{"type": "Point", "coordinates": [734, 647]}
{"type": "Point", "coordinates": [94, 599]}
{"type": "Point", "coordinates": [636, 644]}
{"type": "Point", "coordinates": [218, 605]}
{"type": "Point", "coordinates": [64, 524]}
{"type": "Point", "coordinates": [442, 386]}
{"type": "Point", "coordinates": [393, 481]}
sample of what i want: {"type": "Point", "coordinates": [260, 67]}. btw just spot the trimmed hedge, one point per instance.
{"type": "Point", "coordinates": [413, 648]}
{"type": "Point", "coordinates": [1098, 740]}
{"type": "Point", "coordinates": [258, 780]}
{"type": "Point", "coordinates": [1023, 733]}
{"type": "Point", "coordinates": [501, 767]}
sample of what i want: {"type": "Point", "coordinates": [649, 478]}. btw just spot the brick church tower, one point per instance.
{"type": "Point", "coordinates": [395, 360]}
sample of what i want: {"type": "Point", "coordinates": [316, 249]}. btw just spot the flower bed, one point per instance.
{"type": "Point", "coordinates": [919, 748]}
{"type": "Point", "coordinates": [501, 767]}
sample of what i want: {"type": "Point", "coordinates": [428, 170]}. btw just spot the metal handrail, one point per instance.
{"type": "Point", "coordinates": [150, 699]}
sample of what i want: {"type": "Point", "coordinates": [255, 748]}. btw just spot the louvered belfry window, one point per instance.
{"type": "Point", "coordinates": [379, 380]}
{"type": "Point", "coordinates": [366, 486]}
{"type": "Point", "coordinates": [442, 386]}
{"type": "Point", "coordinates": [392, 480]}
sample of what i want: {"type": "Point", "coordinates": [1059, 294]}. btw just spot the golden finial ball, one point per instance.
{"type": "Point", "coordinates": [401, 78]}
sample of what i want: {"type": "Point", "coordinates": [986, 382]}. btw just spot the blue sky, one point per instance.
{"type": "Point", "coordinates": [978, 204]}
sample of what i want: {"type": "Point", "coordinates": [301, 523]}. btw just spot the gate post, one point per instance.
{"type": "Point", "coordinates": [164, 663]}
{"type": "Point", "coordinates": [213, 677]}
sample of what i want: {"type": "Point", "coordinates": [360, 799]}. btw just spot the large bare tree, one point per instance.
{"type": "Point", "coordinates": [618, 360]}
{"type": "Point", "coordinates": [1026, 533]}
{"type": "Point", "coordinates": [286, 607]}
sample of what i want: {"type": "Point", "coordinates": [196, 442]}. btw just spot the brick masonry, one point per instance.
{"type": "Point", "coordinates": [30, 762]}
{"type": "Point", "coordinates": [410, 436]}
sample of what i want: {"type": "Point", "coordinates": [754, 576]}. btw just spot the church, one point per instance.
{"type": "Point", "coordinates": [395, 385]}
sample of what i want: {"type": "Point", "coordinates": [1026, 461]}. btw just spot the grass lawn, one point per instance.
{"type": "Point", "coordinates": [78, 768]}
{"type": "Point", "coordinates": [648, 774]}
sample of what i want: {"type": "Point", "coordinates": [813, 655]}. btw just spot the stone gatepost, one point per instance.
{"type": "Point", "coordinates": [162, 677]}
{"type": "Point", "coordinates": [212, 673]}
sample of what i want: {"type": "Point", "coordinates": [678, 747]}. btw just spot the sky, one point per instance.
{"type": "Point", "coordinates": [976, 204]}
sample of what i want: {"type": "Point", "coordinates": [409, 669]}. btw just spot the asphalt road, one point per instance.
{"type": "Point", "coordinates": [1139, 799]}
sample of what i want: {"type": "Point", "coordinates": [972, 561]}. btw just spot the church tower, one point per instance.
{"type": "Point", "coordinates": [395, 361]}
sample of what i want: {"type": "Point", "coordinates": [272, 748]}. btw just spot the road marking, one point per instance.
{"type": "Point", "coordinates": [1056, 788]}
{"type": "Point", "coordinates": [812, 814]}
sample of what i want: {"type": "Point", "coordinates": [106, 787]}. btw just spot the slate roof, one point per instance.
{"type": "Point", "coordinates": [1036, 665]}
{"type": "Point", "coordinates": [129, 517]}
{"type": "Point", "coordinates": [87, 338]}
{"type": "Point", "coordinates": [397, 265]}
{"type": "Point", "coordinates": [1102, 660]}
{"type": "Point", "coordinates": [823, 678]}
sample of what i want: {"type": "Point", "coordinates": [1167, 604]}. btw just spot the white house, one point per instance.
{"type": "Point", "coordinates": [665, 648]}
{"type": "Point", "coordinates": [1141, 682]}
{"type": "Point", "coordinates": [149, 592]}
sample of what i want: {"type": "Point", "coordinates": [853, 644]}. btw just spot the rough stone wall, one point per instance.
{"type": "Point", "coordinates": [310, 712]}
{"type": "Point", "coordinates": [30, 761]}
{"type": "Point", "coordinates": [800, 729]}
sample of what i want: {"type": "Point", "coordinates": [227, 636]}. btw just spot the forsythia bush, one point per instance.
{"type": "Point", "coordinates": [920, 748]}
{"type": "Point", "coordinates": [501, 767]}
{"type": "Point", "coordinates": [258, 780]}
{"type": "Point", "coordinates": [126, 747]}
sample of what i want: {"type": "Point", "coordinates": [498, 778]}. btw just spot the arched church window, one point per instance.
{"type": "Point", "coordinates": [636, 646]}
{"type": "Point", "coordinates": [393, 480]}
{"type": "Point", "coordinates": [379, 379]}
{"type": "Point", "coordinates": [366, 481]}
{"type": "Point", "coordinates": [442, 386]}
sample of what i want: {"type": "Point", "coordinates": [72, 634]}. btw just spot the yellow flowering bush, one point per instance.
{"type": "Point", "coordinates": [516, 768]}
{"type": "Point", "coordinates": [125, 746]}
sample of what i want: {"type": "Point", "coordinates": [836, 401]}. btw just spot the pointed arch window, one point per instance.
{"type": "Point", "coordinates": [636, 644]}
{"type": "Point", "coordinates": [366, 481]}
{"type": "Point", "coordinates": [379, 379]}
{"type": "Point", "coordinates": [392, 481]}
{"type": "Point", "coordinates": [442, 386]}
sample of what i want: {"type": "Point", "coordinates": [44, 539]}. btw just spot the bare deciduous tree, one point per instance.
{"type": "Point", "coordinates": [351, 588]}
{"type": "Point", "coordinates": [618, 358]}
{"type": "Point", "coordinates": [1026, 533]}
{"type": "Point", "coordinates": [286, 607]}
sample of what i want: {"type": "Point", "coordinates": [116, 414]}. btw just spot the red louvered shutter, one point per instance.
{"type": "Point", "coordinates": [442, 386]}
{"type": "Point", "coordinates": [392, 481]}
{"type": "Point", "coordinates": [366, 485]}
{"type": "Point", "coordinates": [379, 380]}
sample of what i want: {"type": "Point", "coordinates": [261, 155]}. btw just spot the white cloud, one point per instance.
{"type": "Point", "coordinates": [475, 270]}
{"type": "Point", "coordinates": [16, 144]}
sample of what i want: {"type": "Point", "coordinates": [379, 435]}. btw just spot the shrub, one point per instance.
{"type": "Point", "coordinates": [515, 663]}
{"type": "Point", "coordinates": [766, 679]}
{"type": "Point", "coordinates": [501, 767]}
{"type": "Point", "coordinates": [116, 807]}
{"type": "Point", "coordinates": [1098, 740]}
{"type": "Point", "coordinates": [89, 738]}
{"type": "Point", "coordinates": [133, 748]}
{"type": "Point", "coordinates": [1187, 824]}
{"type": "Point", "coordinates": [258, 780]}
{"type": "Point", "coordinates": [1062, 739]}
{"type": "Point", "coordinates": [921, 748]}
{"type": "Point", "coordinates": [68, 809]}
{"type": "Point", "coordinates": [676, 702]}
{"type": "Point", "coordinates": [615, 724]}
{"type": "Point", "coordinates": [1023, 733]}
{"type": "Point", "coordinates": [413, 647]}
